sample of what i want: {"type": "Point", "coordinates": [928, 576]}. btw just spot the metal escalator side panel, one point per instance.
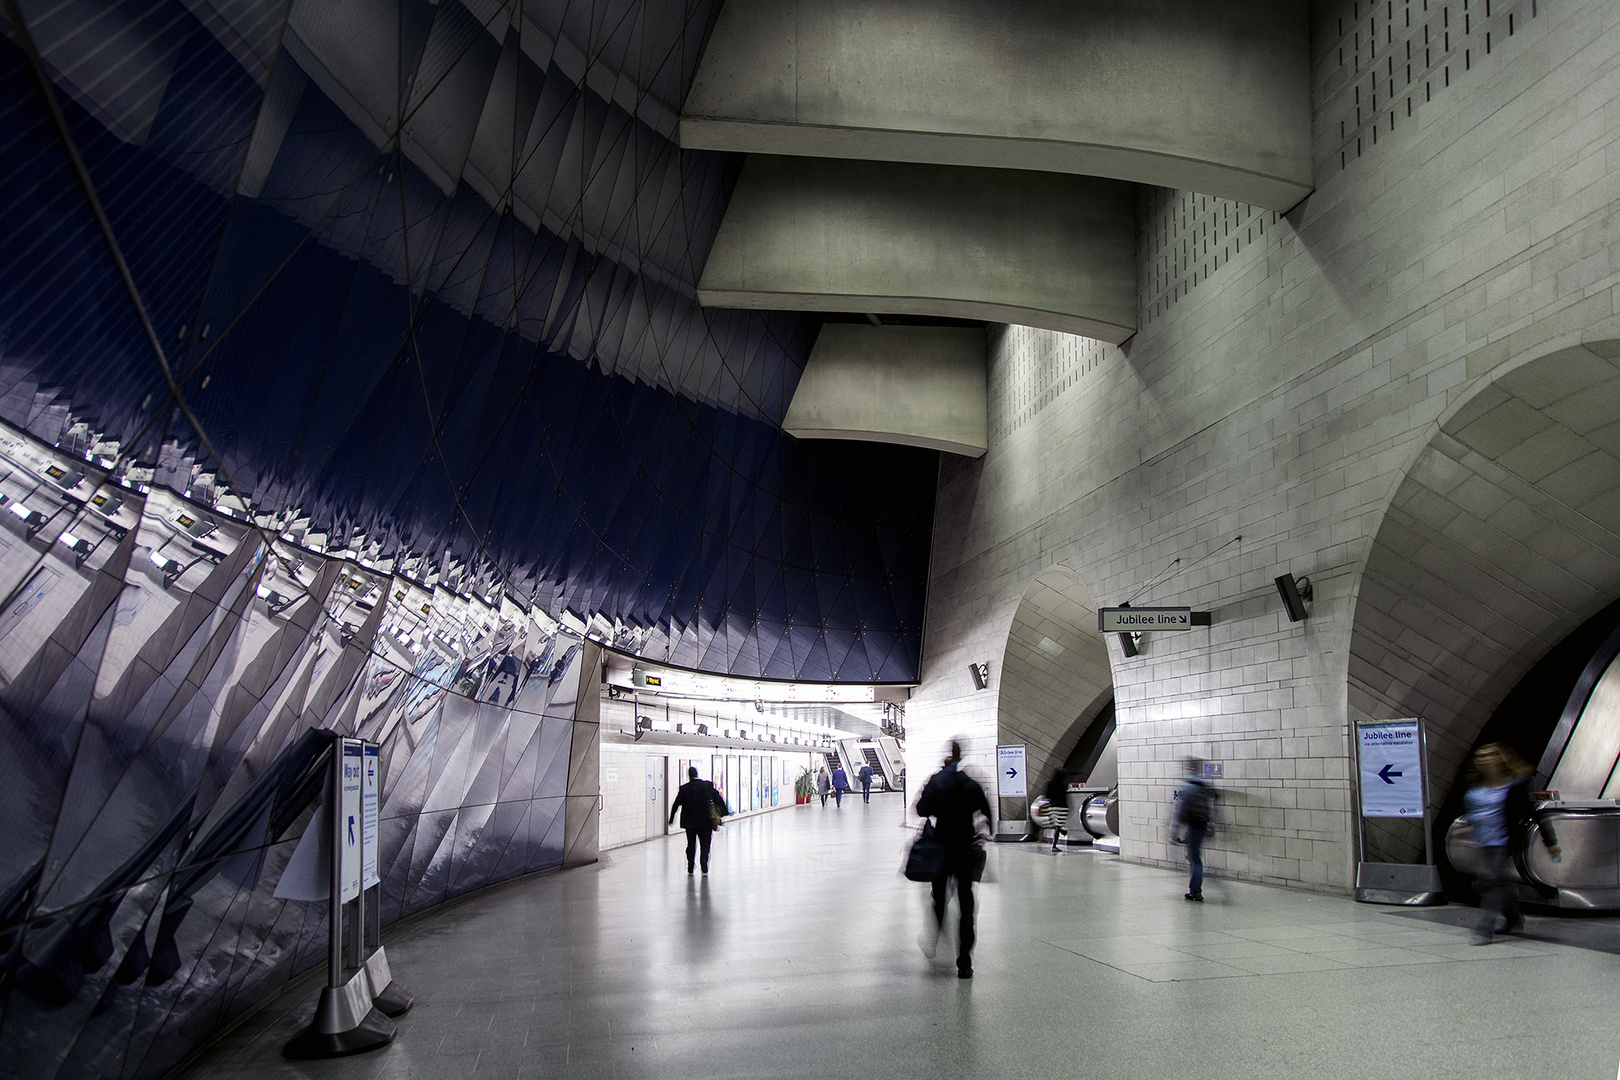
{"type": "Point", "coordinates": [1533, 871]}
{"type": "Point", "coordinates": [1589, 874]}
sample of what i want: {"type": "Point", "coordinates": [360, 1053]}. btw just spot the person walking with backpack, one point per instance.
{"type": "Point", "coordinates": [701, 809]}
{"type": "Point", "coordinates": [1190, 822]}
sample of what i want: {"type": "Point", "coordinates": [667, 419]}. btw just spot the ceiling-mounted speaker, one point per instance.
{"type": "Point", "coordinates": [981, 675]}
{"type": "Point", "coordinates": [1295, 593]}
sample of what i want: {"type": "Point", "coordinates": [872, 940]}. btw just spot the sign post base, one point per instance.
{"type": "Point", "coordinates": [345, 1023]}
{"type": "Point", "coordinates": [1399, 883]}
{"type": "Point", "coordinates": [390, 998]}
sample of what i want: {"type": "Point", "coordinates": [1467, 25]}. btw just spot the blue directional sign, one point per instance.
{"type": "Point", "coordinates": [1010, 769]}
{"type": "Point", "coordinates": [1391, 769]}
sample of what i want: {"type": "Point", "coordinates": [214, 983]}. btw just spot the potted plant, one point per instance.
{"type": "Point", "coordinates": [804, 786]}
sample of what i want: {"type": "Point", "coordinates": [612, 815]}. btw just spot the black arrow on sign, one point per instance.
{"type": "Point", "coordinates": [1384, 774]}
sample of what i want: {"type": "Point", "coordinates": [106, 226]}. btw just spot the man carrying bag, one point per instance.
{"type": "Point", "coordinates": [951, 850]}
{"type": "Point", "coordinates": [701, 809]}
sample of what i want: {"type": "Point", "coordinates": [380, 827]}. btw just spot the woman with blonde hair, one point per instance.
{"type": "Point", "coordinates": [1498, 808]}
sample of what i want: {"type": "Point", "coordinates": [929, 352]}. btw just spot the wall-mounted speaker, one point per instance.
{"type": "Point", "coordinates": [1295, 594]}
{"type": "Point", "coordinates": [981, 675]}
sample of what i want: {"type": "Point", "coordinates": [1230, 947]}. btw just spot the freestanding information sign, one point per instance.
{"type": "Point", "coordinates": [346, 1020]}
{"type": "Point", "coordinates": [369, 796]}
{"type": "Point", "coordinates": [390, 998]}
{"type": "Point", "coordinates": [1010, 782]}
{"type": "Point", "coordinates": [1012, 791]}
{"type": "Point", "coordinates": [353, 754]}
{"type": "Point", "coordinates": [1393, 782]}
{"type": "Point", "coordinates": [354, 1006]}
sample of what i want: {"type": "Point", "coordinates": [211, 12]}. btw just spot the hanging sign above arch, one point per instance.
{"type": "Point", "coordinates": [1130, 620]}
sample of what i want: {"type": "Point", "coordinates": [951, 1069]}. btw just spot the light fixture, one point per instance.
{"type": "Point", "coordinates": [1295, 593]}
{"type": "Point", "coordinates": [80, 547]}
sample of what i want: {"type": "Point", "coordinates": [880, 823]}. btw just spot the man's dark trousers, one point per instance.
{"type": "Point", "coordinates": [964, 899]}
{"type": "Point", "coordinates": [696, 838]}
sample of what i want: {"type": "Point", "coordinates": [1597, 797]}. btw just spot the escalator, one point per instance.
{"type": "Point", "coordinates": [880, 778]}
{"type": "Point", "coordinates": [1587, 875]}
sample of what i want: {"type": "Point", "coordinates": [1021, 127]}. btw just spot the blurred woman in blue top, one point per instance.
{"type": "Point", "coordinates": [1497, 806]}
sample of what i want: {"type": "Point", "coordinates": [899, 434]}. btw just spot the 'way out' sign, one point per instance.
{"type": "Point", "coordinates": [1391, 756]}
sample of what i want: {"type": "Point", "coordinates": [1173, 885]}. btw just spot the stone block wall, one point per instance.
{"type": "Point", "coordinates": [1274, 401]}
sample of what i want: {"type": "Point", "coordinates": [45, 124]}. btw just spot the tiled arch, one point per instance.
{"type": "Point", "coordinates": [1502, 537]}
{"type": "Point", "coordinates": [1055, 673]}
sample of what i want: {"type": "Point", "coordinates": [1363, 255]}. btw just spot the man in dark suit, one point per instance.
{"type": "Point", "coordinates": [954, 799]}
{"type": "Point", "coordinates": [694, 800]}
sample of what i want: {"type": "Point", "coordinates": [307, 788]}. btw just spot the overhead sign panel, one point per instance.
{"type": "Point", "coordinates": [1128, 620]}
{"type": "Point", "coordinates": [1391, 756]}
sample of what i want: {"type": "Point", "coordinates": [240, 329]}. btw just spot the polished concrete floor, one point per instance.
{"type": "Point", "coordinates": [798, 957]}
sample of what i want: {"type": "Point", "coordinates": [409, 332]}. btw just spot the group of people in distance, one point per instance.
{"type": "Point", "coordinates": [838, 783]}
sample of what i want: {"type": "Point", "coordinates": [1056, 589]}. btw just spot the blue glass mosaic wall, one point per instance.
{"type": "Point", "coordinates": [424, 278]}
{"type": "Point", "coordinates": [349, 355]}
{"type": "Point", "coordinates": [169, 679]}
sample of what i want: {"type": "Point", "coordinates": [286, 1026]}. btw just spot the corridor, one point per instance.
{"type": "Point", "coordinates": [798, 957]}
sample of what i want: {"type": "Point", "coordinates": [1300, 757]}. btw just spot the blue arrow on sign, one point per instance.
{"type": "Point", "coordinates": [1014, 772]}
{"type": "Point", "coordinates": [1385, 773]}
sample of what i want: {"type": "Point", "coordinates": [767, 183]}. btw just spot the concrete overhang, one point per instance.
{"type": "Point", "coordinates": [913, 385]}
{"type": "Point", "coordinates": [1208, 95]}
{"type": "Point", "coordinates": [997, 245]}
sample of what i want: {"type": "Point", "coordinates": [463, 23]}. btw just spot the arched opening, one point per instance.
{"type": "Point", "coordinates": [1503, 538]}
{"type": "Point", "coordinates": [1055, 677]}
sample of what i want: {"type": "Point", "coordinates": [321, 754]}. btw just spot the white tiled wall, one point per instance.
{"type": "Point", "coordinates": [624, 775]}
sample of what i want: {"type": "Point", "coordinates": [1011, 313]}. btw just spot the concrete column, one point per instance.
{"type": "Point", "coordinates": [1208, 95]}
{"type": "Point", "coordinates": [1041, 249]}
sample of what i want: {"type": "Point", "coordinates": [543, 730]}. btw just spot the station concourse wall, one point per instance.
{"type": "Point", "coordinates": [170, 679]}
{"type": "Point", "coordinates": [1290, 375]}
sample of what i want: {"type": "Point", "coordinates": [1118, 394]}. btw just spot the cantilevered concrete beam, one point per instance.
{"type": "Point", "coordinates": [913, 385]}
{"type": "Point", "coordinates": [1209, 95]}
{"type": "Point", "coordinates": [1042, 249]}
